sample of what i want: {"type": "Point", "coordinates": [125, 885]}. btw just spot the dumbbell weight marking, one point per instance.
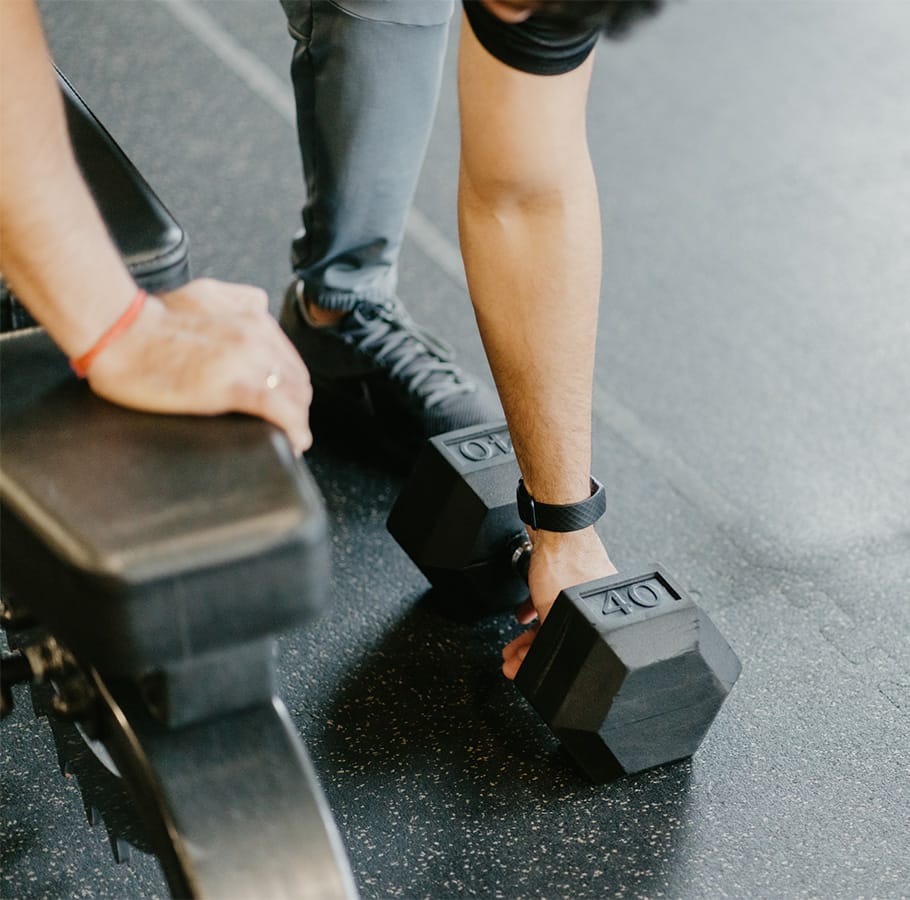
{"type": "Point", "coordinates": [490, 446]}
{"type": "Point", "coordinates": [645, 594]}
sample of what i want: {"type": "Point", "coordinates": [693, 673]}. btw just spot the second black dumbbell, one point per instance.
{"type": "Point", "coordinates": [628, 672]}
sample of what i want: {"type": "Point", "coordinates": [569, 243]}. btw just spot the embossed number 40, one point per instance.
{"type": "Point", "coordinates": [626, 599]}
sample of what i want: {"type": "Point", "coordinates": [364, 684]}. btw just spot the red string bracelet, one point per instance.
{"type": "Point", "coordinates": [81, 364]}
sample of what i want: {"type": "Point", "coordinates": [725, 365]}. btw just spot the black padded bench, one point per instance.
{"type": "Point", "coordinates": [153, 545]}
{"type": "Point", "coordinates": [150, 544]}
{"type": "Point", "coordinates": [164, 554]}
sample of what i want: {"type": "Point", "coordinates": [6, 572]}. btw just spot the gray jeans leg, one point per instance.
{"type": "Point", "coordinates": [366, 84]}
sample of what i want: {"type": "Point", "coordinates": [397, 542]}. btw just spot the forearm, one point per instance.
{"type": "Point", "coordinates": [534, 274]}
{"type": "Point", "coordinates": [529, 222]}
{"type": "Point", "coordinates": [54, 249]}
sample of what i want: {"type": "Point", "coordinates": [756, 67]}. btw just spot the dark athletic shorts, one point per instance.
{"type": "Point", "coordinates": [538, 46]}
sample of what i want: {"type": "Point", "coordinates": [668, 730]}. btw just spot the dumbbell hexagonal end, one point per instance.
{"type": "Point", "coordinates": [456, 515]}
{"type": "Point", "coordinates": [629, 673]}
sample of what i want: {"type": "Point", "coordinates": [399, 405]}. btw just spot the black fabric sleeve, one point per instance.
{"type": "Point", "coordinates": [536, 45]}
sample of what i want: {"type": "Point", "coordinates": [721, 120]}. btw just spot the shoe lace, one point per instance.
{"type": "Point", "coordinates": [413, 356]}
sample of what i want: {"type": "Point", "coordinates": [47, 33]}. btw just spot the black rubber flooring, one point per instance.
{"type": "Point", "coordinates": [752, 423]}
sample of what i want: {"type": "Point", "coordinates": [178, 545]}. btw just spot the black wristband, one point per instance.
{"type": "Point", "coordinates": [561, 517]}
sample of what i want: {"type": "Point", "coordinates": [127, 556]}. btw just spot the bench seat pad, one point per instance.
{"type": "Point", "coordinates": [141, 539]}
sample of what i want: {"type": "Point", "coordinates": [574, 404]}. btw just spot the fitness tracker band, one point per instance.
{"type": "Point", "coordinates": [561, 517]}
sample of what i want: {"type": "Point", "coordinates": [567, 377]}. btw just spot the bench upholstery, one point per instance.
{"type": "Point", "coordinates": [168, 549]}
{"type": "Point", "coordinates": [142, 538]}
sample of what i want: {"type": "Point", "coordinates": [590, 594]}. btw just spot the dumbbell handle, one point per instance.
{"type": "Point", "coordinates": [520, 555]}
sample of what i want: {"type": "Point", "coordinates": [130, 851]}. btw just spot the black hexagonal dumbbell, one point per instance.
{"type": "Point", "coordinates": [627, 671]}
{"type": "Point", "coordinates": [456, 516]}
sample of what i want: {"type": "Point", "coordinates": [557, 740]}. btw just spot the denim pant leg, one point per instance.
{"type": "Point", "coordinates": [366, 78]}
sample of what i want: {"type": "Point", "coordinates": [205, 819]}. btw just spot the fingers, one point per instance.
{"type": "Point", "coordinates": [526, 613]}
{"type": "Point", "coordinates": [268, 379]}
{"type": "Point", "coordinates": [264, 375]}
{"type": "Point", "coordinates": [558, 560]}
{"type": "Point", "coordinates": [515, 651]}
{"type": "Point", "coordinates": [282, 396]}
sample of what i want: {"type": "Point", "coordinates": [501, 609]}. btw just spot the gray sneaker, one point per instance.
{"type": "Point", "coordinates": [378, 371]}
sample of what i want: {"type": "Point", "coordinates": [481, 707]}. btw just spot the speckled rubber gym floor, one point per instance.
{"type": "Point", "coordinates": [752, 425]}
